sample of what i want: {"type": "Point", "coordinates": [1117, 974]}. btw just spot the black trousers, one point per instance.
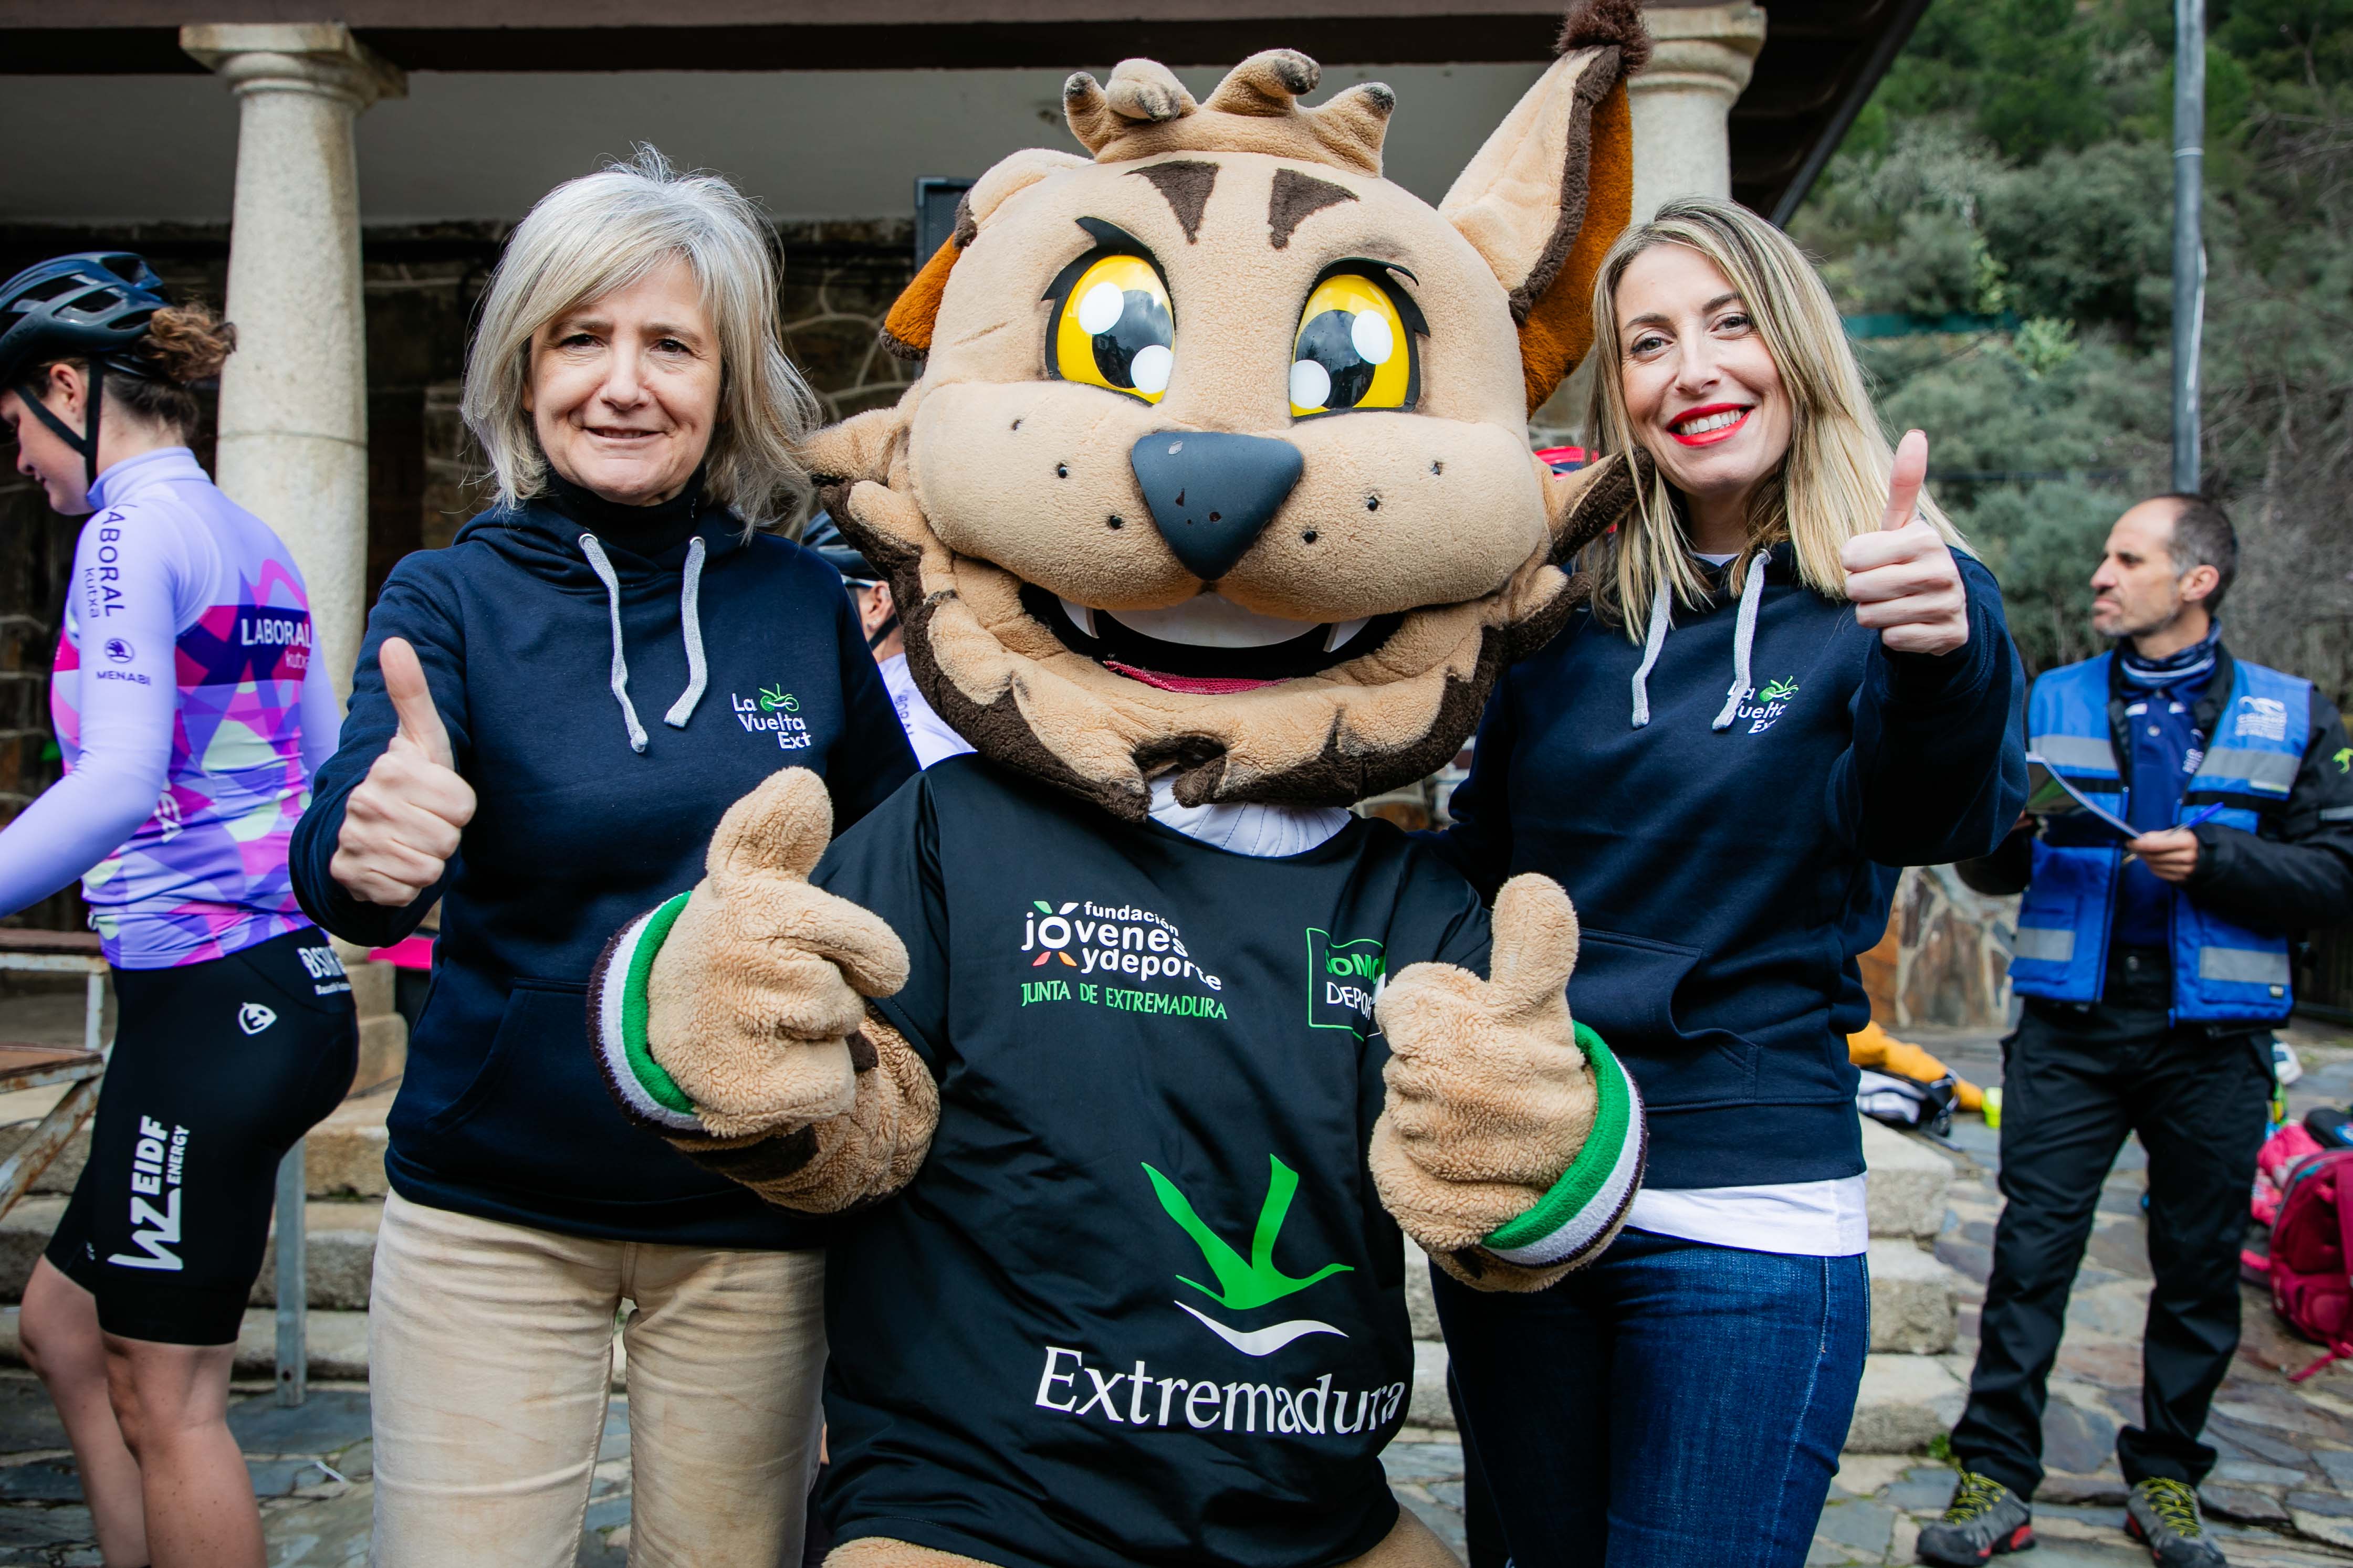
{"type": "Point", "coordinates": [2075, 1081]}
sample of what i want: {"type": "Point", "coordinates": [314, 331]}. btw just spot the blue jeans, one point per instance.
{"type": "Point", "coordinates": [1673, 1405]}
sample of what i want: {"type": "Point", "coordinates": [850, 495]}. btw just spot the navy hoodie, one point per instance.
{"type": "Point", "coordinates": [501, 1113]}
{"type": "Point", "coordinates": [1727, 879]}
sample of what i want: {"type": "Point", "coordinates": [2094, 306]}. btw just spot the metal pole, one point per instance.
{"type": "Point", "coordinates": [2188, 243]}
{"type": "Point", "coordinates": [293, 1283]}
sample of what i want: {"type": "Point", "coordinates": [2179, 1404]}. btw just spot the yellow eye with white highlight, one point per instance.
{"type": "Point", "coordinates": [1354, 348]}
{"type": "Point", "coordinates": [1115, 329]}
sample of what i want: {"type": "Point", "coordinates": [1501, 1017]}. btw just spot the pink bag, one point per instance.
{"type": "Point", "coordinates": [2312, 1251]}
{"type": "Point", "coordinates": [2278, 1155]}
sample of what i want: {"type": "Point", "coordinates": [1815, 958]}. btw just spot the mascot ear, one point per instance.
{"type": "Point", "coordinates": [1554, 187]}
{"type": "Point", "coordinates": [907, 329]}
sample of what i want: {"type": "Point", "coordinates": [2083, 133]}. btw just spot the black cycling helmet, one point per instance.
{"type": "Point", "coordinates": [825, 536]}
{"type": "Point", "coordinates": [94, 305]}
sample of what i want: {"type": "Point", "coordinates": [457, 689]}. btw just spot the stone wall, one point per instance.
{"type": "Point", "coordinates": [1945, 957]}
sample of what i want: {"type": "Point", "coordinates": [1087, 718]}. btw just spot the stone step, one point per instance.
{"type": "Point", "coordinates": [1907, 1180]}
{"type": "Point", "coordinates": [337, 1342]}
{"type": "Point", "coordinates": [1907, 1403]}
{"type": "Point", "coordinates": [1430, 1407]}
{"type": "Point", "coordinates": [342, 1157]}
{"type": "Point", "coordinates": [339, 1251]}
{"type": "Point", "coordinates": [1914, 1299]}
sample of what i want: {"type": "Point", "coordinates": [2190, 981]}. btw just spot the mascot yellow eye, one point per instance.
{"type": "Point", "coordinates": [1355, 349]}
{"type": "Point", "coordinates": [1115, 329]}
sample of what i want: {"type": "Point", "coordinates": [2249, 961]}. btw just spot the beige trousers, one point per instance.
{"type": "Point", "coordinates": [489, 1353]}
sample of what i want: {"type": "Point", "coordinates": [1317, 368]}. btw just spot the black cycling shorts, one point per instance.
{"type": "Point", "coordinates": [219, 1068]}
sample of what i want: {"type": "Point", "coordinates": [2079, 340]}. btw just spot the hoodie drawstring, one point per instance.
{"type": "Point", "coordinates": [1744, 637]}
{"type": "Point", "coordinates": [690, 615]}
{"type": "Point", "coordinates": [1652, 644]}
{"type": "Point", "coordinates": [603, 566]}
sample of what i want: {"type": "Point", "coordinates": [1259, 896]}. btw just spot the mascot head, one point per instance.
{"type": "Point", "coordinates": [1218, 463]}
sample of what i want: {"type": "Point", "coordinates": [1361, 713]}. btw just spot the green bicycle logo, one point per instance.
{"type": "Point", "coordinates": [773, 698]}
{"type": "Point", "coordinates": [1777, 691]}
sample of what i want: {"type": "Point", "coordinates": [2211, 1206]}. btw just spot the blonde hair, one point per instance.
{"type": "Point", "coordinates": [605, 231]}
{"type": "Point", "coordinates": [1832, 483]}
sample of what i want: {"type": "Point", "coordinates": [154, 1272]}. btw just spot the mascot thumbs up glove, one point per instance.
{"type": "Point", "coordinates": [733, 1018]}
{"type": "Point", "coordinates": [1512, 1141]}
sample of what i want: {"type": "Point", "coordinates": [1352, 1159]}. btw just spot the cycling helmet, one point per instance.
{"type": "Point", "coordinates": [824, 535]}
{"type": "Point", "coordinates": [94, 306]}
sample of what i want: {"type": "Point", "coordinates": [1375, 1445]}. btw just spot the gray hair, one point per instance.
{"type": "Point", "coordinates": [2203, 536]}
{"type": "Point", "coordinates": [605, 231]}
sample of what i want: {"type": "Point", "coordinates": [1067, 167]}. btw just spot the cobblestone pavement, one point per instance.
{"type": "Point", "coordinates": [2283, 1493]}
{"type": "Point", "coordinates": [2282, 1497]}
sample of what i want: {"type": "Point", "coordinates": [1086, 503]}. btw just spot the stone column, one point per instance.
{"type": "Point", "coordinates": [1700, 61]}
{"type": "Point", "coordinates": [293, 403]}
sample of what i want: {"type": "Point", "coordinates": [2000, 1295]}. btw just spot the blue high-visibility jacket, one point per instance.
{"type": "Point", "coordinates": [2224, 967]}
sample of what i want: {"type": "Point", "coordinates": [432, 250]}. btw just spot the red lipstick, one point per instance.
{"type": "Point", "coordinates": [1677, 427]}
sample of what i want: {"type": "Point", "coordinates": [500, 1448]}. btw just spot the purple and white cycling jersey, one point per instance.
{"type": "Point", "coordinates": [191, 714]}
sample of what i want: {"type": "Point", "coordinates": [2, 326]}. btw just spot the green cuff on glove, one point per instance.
{"type": "Point", "coordinates": [1577, 1216]}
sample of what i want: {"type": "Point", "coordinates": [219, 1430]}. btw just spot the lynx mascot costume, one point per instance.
{"type": "Point", "coordinates": [1212, 512]}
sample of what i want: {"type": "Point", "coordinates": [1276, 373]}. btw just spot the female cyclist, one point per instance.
{"type": "Point", "coordinates": [1790, 679]}
{"type": "Point", "coordinates": [191, 714]}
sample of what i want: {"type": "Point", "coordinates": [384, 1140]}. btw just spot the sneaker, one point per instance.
{"type": "Point", "coordinates": [2162, 1515]}
{"type": "Point", "coordinates": [1985, 1517]}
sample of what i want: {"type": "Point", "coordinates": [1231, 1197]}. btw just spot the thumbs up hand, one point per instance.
{"type": "Point", "coordinates": [1490, 1098]}
{"type": "Point", "coordinates": [401, 826]}
{"type": "Point", "coordinates": [756, 997]}
{"type": "Point", "coordinates": [1902, 580]}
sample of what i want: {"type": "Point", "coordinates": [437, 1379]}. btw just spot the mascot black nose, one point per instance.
{"type": "Point", "coordinates": [1212, 494]}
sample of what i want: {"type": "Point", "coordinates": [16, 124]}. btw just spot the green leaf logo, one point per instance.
{"type": "Point", "coordinates": [1258, 1281]}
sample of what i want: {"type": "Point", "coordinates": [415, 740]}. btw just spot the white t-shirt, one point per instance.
{"type": "Point", "coordinates": [1794, 1219]}
{"type": "Point", "coordinates": [932, 739]}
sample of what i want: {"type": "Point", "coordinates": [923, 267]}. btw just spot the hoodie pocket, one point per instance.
{"type": "Point", "coordinates": [541, 1018]}
{"type": "Point", "coordinates": [537, 1118]}
{"type": "Point", "coordinates": [1624, 988]}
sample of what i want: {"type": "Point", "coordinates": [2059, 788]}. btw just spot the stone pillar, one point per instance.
{"type": "Point", "coordinates": [293, 403]}
{"type": "Point", "coordinates": [1700, 61]}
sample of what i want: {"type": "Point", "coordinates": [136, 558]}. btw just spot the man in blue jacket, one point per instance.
{"type": "Point", "coordinates": [2152, 970]}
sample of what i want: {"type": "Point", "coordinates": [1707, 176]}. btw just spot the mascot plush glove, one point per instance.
{"type": "Point", "coordinates": [733, 1020]}
{"type": "Point", "coordinates": [1512, 1141]}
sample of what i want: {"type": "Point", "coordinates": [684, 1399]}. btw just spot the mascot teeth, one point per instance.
{"type": "Point", "coordinates": [1081, 617]}
{"type": "Point", "coordinates": [1210, 620]}
{"type": "Point", "coordinates": [1344, 630]}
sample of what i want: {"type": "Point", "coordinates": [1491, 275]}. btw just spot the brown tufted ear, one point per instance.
{"type": "Point", "coordinates": [907, 329]}
{"type": "Point", "coordinates": [1554, 187]}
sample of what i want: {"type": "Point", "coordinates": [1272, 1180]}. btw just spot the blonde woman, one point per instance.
{"type": "Point", "coordinates": [628, 385]}
{"type": "Point", "coordinates": [1791, 678]}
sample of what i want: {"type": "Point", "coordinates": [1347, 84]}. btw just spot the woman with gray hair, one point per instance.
{"type": "Point", "coordinates": [628, 385]}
